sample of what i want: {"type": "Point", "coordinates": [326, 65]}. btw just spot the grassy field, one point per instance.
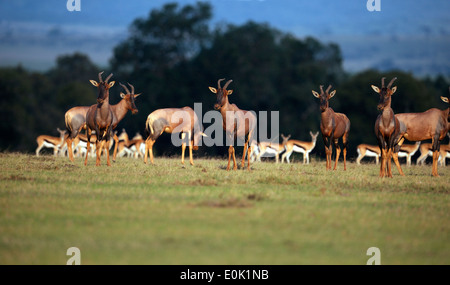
{"type": "Point", "coordinates": [132, 213]}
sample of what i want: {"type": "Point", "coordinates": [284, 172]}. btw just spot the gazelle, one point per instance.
{"type": "Point", "coordinates": [300, 146]}
{"type": "Point", "coordinates": [75, 118]}
{"type": "Point", "coordinates": [369, 151]}
{"type": "Point", "coordinates": [333, 127]}
{"type": "Point", "coordinates": [50, 142]}
{"type": "Point", "coordinates": [408, 150]}
{"type": "Point", "coordinates": [388, 128]}
{"type": "Point", "coordinates": [173, 120]}
{"type": "Point", "coordinates": [432, 124]}
{"type": "Point", "coordinates": [236, 123]}
{"type": "Point", "coordinates": [100, 118]}
{"type": "Point", "coordinates": [272, 148]}
{"type": "Point", "coordinates": [426, 150]}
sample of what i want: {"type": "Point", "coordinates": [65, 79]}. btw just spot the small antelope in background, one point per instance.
{"type": "Point", "coordinates": [426, 149]}
{"type": "Point", "coordinates": [369, 151]}
{"type": "Point", "coordinates": [100, 118]}
{"type": "Point", "coordinates": [272, 148]}
{"type": "Point", "coordinates": [408, 150]}
{"type": "Point", "coordinates": [300, 146]}
{"type": "Point", "coordinates": [388, 129]}
{"type": "Point", "coordinates": [333, 127]}
{"type": "Point", "coordinates": [173, 120]}
{"type": "Point", "coordinates": [50, 142]}
{"type": "Point", "coordinates": [236, 123]}
{"type": "Point", "coordinates": [432, 124]}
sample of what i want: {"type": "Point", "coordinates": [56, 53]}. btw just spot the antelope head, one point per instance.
{"type": "Point", "coordinates": [385, 93]}
{"type": "Point", "coordinates": [129, 97]}
{"type": "Point", "coordinates": [103, 87]}
{"type": "Point", "coordinates": [313, 136]}
{"type": "Point", "coordinates": [285, 139]}
{"type": "Point", "coordinates": [324, 97]}
{"type": "Point", "coordinates": [222, 93]}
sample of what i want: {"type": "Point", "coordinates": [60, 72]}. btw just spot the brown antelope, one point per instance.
{"type": "Point", "coordinates": [237, 123]}
{"type": "Point", "coordinates": [333, 126]}
{"type": "Point", "coordinates": [432, 124]}
{"type": "Point", "coordinates": [388, 128]}
{"type": "Point", "coordinates": [426, 150]}
{"type": "Point", "coordinates": [173, 120]}
{"type": "Point", "coordinates": [368, 150]}
{"type": "Point", "coordinates": [300, 146]}
{"type": "Point", "coordinates": [100, 118]}
{"type": "Point", "coordinates": [50, 142]}
{"type": "Point", "coordinates": [408, 150]}
{"type": "Point", "coordinates": [75, 118]}
{"type": "Point", "coordinates": [272, 148]}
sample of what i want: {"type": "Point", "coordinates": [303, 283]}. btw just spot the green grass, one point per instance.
{"type": "Point", "coordinates": [132, 213]}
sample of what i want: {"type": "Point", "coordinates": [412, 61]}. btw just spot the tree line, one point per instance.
{"type": "Point", "coordinates": [174, 54]}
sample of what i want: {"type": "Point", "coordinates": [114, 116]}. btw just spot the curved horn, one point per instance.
{"type": "Point", "coordinates": [107, 78]}
{"type": "Point", "coordinates": [226, 84]}
{"type": "Point", "coordinates": [100, 77]}
{"type": "Point", "coordinates": [126, 89]}
{"type": "Point", "coordinates": [218, 82]}
{"type": "Point", "coordinates": [132, 88]}
{"type": "Point", "coordinates": [321, 88]}
{"type": "Point", "coordinates": [392, 81]}
{"type": "Point", "coordinates": [382, 82]}
{"type": "Point", "coordinates": [328, 89]}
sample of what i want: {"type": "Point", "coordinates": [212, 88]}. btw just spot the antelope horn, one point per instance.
{"type": "Point", "coordinates": [132, 88]}
{"type": "Point", "coordinates": [382, 82]}
{"type": "Point", "coordinates": [328, 89]}
{"type": "Point", "coordinates": [321, 88]}
{"type": "Point", "coordinates": [218, 82]}
{"type": "Point", "coordinates": [100, 77]}
{"type": "Point", "coordinates": [126, 89]}
{"type": "Point", "coordinates": [107, 78]}
{"type": "Point", "coordinates": [391, 82]}
{"type": "Point", "coordinates": [226, 84]}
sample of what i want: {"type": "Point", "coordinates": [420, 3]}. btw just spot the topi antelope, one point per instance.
{"type": "Point", "coordinates": [173, 120]}
{"type": "Point", "coordinates": [333, 127]}
{"type": "Point", "coordinates": [369, 151]}
{"type": "Point", "coordinates": [236, 123]}
{"type": "Point", "coordinates": [50, 142]}
{"type": "Point", "coordinates": [388, 128]}
{"type": "Point", "coordinates": [272, 148]}
{"type": "Point", "coordinates": [100, 118]}
{"type": "Point", "coordinates": [432, 124]}
{"type": "Point", "coordinates": [300, 146]}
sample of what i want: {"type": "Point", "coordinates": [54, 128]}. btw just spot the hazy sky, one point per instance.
{"type": "Point", "coordinates": [413, 35]}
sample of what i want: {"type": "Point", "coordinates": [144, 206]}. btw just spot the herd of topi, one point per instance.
{"type": "Point", "coordinates": [390, 130]}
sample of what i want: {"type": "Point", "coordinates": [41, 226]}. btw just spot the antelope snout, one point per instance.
{"type": "Point", "coordinates": [134, 111]}
{"type": "Point", "coordinates": [216, 106]}
{"type": "Point", "coordinates": [100, 101]}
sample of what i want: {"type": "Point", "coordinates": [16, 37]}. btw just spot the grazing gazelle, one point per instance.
{"type": "Point", "coordinates": [236, 123]}
{"type": "Point", "coordinates": [272, 148]}
{"type": "Point", "coordinates": [173, 120]}
{"type": "Point", "coordinates": [50, 142]}
{"type": "Point", "coordinates": [408, 150]}
{"type": "Point", "coordinates": [100, 118]}
{"type": "Point", "coordinates": [432, 124]}
{"type": "Point", "coordinates": [333, 127]}
{"type": "Point", "coordinates": [301, 147]}
{"type": "Point", "coordinates": [388, 128]}
{"type": "Point", "coordinates": [369, 151]}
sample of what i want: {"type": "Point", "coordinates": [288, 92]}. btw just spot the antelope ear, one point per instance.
{"type": "Point", "coordinates": [311, 133]}
{"type": "Point", "coordinates": [122, 95]}
{"type": "Point", "coordinates": [376, 89]}
{"type": "Point", "coordinates": [393, 89]}
{"type": "Point", "coordinates": [93, 82]}
{"type": "Point", "coordinates": [111, 84]}
{"type": "Point", "coordinates": [213, 90]}
{"type": "Point", "coordinates": [332, 93]}
{"type": "Point", "coordinates": [445, 99]}
{"type": "Point", "coordinates": [135, 95]}
{"type": "Point", "coordinates": [203, 134]}
{"type": "Point", "coordinates": [288, 137]}
{"type": "Point", "coordinates": [315, 94]}
{"type": "Point", "coordinates": [229, 92]}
